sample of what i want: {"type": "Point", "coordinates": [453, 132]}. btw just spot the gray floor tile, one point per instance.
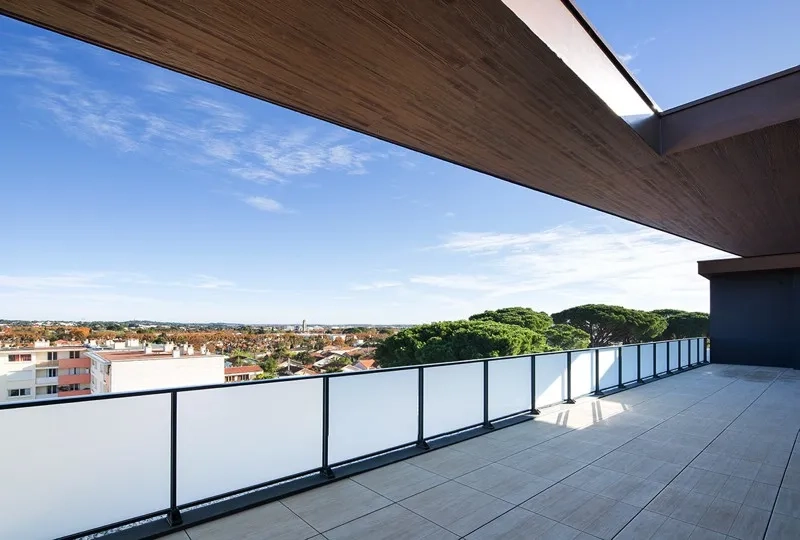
{"type": "Point", "coordinates": [511, 485]}
{"type": "Point", "coordinates": [611, 520]}
{"type": "Point", "coordinates": [719, 516]}
{"type": "Point", "coordinates": [273, 520]}
{"type": "Point", "coordinates": [593, 479]}
{"type": "Point", "coordinates": [782, 527]}
{"type": "Point", "coordinates": [735, 489]}
{"type": "Point", "coordinates": [545, 464]}
{"type": "Point", "coordinates": [673, 529]}
{"type": "Point", "coordinates": [633, 490]}
{"type": "Point", "coordinates": [332, 505]}
{"type": "Point", "coordinates": [180, 535]}
{"type": "Point", "coordinates": [399, 480]}
{"type": "Point", "coordinates": [788, 502]}
{"type": "Point", "coordinates": [665, 502]}
{"type": "Point", "coordinates": [746, 469]}
{"type": "Point", "coordinates": [448, 462]}
{"type": "Point", "coordinates": [692, 507]}
{"type": "Point", "coordinates": [456, 507]}
{"type": "Point", "coordinates": [665, 473]}
{"type": "Point", "coordinates": [558, 501]}
{"type": "Point", "coordinates": [750, 523]}
{"type": "Point", "coordinates": [492, 449]}
{"type": "Point", "coordinates": [518, 524]}
{"type": "Point", "coordinates": [390, 523]}
{"type": "Point", "coordinates": [700, 533]}
{"type": "Point", "coordinates": [586, 514]}
{"type": "Point", "coordinates": [642, 527]}
{"type": "Point", "coordinates": [769, 474]}
{"type": "Point", "coordinates": [761, 496]}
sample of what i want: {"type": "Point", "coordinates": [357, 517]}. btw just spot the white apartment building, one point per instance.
{"type": "Point", "coordinates": [148, 369]}
{"type": "Point", "coordinates": [44, 372]}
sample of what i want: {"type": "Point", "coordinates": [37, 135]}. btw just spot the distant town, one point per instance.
{"type": "Point", "coordinates": [52, 359]}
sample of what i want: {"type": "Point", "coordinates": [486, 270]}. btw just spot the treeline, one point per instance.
{"type": "Point", "coordinates": [519, 330]}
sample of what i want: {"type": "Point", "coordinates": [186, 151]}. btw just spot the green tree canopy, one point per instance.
{"type": "Point", "coordinates": [607, 325]}
{"type": "Point", "coordinates": [683, 324]}
{"type": "Point", "coordinates": [563, 337]}
{"type": "Point", "coordinates": [456, 340]}
{"type": "Point", "coordinates": [538, 321]}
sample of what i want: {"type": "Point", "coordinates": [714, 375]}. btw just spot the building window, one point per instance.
{"type": "Point", "coordinates": [74, 354]}
{"type": "Point", "coordinates": [52, 355]}
{"type": "Point", "coordinates": [52, 372]}
{"type": "Point", "coordinates": [19, 392]}
{"type": "Point", "coordinates": [52, 389]}
{"type": "Point", "coordinates": [73, 371]}
{"type": "Point", "coordinates": [19, 357]}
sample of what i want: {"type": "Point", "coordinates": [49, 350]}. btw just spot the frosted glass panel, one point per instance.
{"type": "Point", "coordinates": [371, 412]}
{"type": "Point", "coordinates": [609, 364]}
{"type": "Point", "coordinates": [509, 386]}
{"type": "Point", "coordinates": [661, 357]}
{"type": "Point", "coordinates": [628, 364]}
{"type": "Point", "coordinates": [453, 397]}
{"type": "Point", "coordinates": [551, 379]}
{"type": "Point", "coordinates": [647, 360]}
{"type": "Point", "coordinates": [673, 355]}
{"type": "Point", "coordinates": [69, 467]}
{"type": "Point", "coordinates": [582, 373]}
{"type": "Point", "coordinates": [684, 352]}
{"type": "Point", "coordinates": [233, 438]}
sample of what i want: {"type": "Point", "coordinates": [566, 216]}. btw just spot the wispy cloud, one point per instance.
{"type": "Point", "coordinates": [375, 285]}
{"type": "Point", "coordinates": [628, 267]}
{"type": "Point", "coordinates": [57, 281]}
{"type": "Point", "coordinates": [449, 214]}
{"type": "Point", "coordinates": [176, 121]}
{"type": "Point", "coordinates": [265, 204]}
{"type": "Point", "coordinates": [628, 57]}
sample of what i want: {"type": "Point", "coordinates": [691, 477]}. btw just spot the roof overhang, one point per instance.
{"type": "Point", "coordinates": [496, 86]}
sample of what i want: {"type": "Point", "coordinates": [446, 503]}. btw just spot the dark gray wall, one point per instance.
{"type": "Point", "coordinates": [755, 318]}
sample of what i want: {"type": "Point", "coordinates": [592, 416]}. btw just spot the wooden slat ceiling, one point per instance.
{"type": "Point", "coordinates": [465, 81]}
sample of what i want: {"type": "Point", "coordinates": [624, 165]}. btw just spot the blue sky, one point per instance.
{"type": "Point", "coordinates": [133, 192]}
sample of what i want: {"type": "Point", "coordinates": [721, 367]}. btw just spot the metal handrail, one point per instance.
{"type": "Point", "coordinates": [328, 472]}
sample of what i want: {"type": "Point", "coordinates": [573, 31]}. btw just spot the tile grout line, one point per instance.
{"type": "Point", "coordinates": [701, 451]}
{"type": "Point", "coordinates": [298, 517]}
{"type": "Point", "coordinates": [591, 462]}
{"type": "Point", "coordinates": [780, 486]}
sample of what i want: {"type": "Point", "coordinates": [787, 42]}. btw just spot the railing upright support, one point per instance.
{"type": "Point", "coordinates": [486, 423]}
{"type": "Point", "coordinates": [597, 390]}
{"type": "Point", "coordinates": [174, 515]}
{"type": "Point", "coordinates": [534, 410]}
{"type": "Point", "coordinates": [569, 379]}
{"type": "Point", "coordinates": [619, 369]}
{"type": "Point", "coordinates": [669, 346]}
{"type": "Point", "coordinates": [326, 470]}
{"type": "Point", "coordinates": [698, 351]}
{"type": "Point", "coordinates": [421, 411]}
{"type": "Point", "coordinates": [655, 367]}
{"type": "Point", "coordinates": [638, 362]}
{"type": "Point", "coordinates": [679, 354]}
{"type": "Point", "coordinates": [705, 350]}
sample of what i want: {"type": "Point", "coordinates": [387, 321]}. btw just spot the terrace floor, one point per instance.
{"type": "Point", "coordinates": [707, 454]}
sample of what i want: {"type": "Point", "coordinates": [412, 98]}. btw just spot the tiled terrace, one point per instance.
{"type": "Point", "coordinates": [707, 454]}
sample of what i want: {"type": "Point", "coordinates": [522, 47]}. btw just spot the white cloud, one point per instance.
{"type": "Point", "coordinates": [175, 119]}
{"type": "Point", "coordinates": [449, 214]}
{"type": "Point", "coordinates": [375, 285]}
{"type": "Point", "coordinates": [58, 281]}
{"type": "Point", "coordinates": [264, 204]}
{"type": "Point", "coordinates": [565, 266]}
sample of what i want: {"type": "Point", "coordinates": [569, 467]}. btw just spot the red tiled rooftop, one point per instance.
{"type": "Point", "coordinates": [242, 369]}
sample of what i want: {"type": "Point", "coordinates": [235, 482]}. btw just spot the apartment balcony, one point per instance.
{"type": "Point", "coordinates": [47, 364]}
{"type": "Point", "coordinates": [74, 393]}
{"type": "Point", "coordinates": [46, 381]}
{"type": "Point", "coordinates": [83, 378]}
{"type": "Point", "coordinates": [83, 362]}
{"type": "Point", "coordinates": [439, 451]}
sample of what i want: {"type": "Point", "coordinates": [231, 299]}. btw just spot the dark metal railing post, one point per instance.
{"type": "Point", "coordinates": [421, 411]}
{"type": "Point", "coordinates": [679, 354]}
{"type": "Point", "coordinates": [597, 391]}
{"type": "Point", "coordinates": [534, 410]}
{"type": "Point", "coordinates": [486, 423]}
{"type": "Point", "coordinates": [569, 378]}
{"type": "Point", "coordinates": [705, 350]}
{"type": "Point", "coordinates": [698, 351]}
{"type": "Point", "coordinates": [174, 515]}
{"type": "Point", "coordinates": [326, 470]}
{"type": "Point", "coordinates": [619, 369]}
{"type": "Point", "coordinates": [655, 367]}
{"type": "Point", "coordinates": [638, 362]}
{"type": "Point", "coordinates": [669, 346]}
